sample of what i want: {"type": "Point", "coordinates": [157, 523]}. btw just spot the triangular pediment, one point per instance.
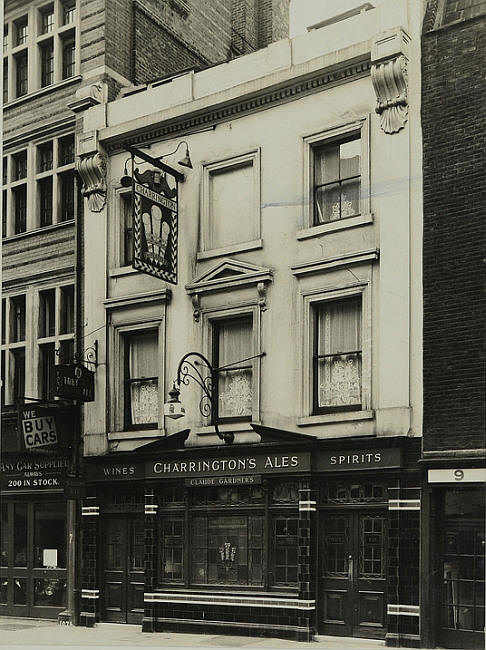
{"type": "Point", "coordinates": [227, 272]}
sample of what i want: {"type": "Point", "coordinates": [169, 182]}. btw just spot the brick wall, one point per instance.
{"type": "Point", "coordinates": [463, 9]}
{"type": "Point", "coordinates": [454, 133]}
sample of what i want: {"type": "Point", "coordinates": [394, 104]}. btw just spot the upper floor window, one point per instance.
{"type": "Point", "coordinates": [45, 157]}
{"type": "Point", "coordinates": [21, 67]}
{"type": "Point", "coordinates": [68, 12]}
{"type": "Point", "coordinates": [5, 81]}
{"type": "Point", "coordinates": [337, 355]}
{"type": "Point", "coordinates": [232, 349]}
{"type": "Point", "coordinates": [21, 31]}
{"type": "Point", "coordinates": [231, 204]}
{"type": "Point", "coordinates": [337, 179]}
{"type": "Point", "coordinates": [47, 19]}
{"type": "Point", "coordinates": [17, 319]}
{"type": "Point", "coordinates": [141, 380]}
{"type": "Point", "coordinates": [19, 197]}
{"type": "Point", "coordinates": [20, 165]}
{"type": "Point", "coordinates": [40, 48]}
{"type": "Point", "coordinates": [47, 64]}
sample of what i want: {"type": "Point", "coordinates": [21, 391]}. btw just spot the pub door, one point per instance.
{"type": "Point", "coordinates": [123, 571]}
{"type": "Point", "coordinates": [353, 573]}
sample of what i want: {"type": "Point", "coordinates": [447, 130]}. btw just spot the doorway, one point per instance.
{"type": "Point", "coordinates": [33, 558]}
{"type": "Point", "coordinates": [353, 573]}
{"type": "Point", "coordinates": [123, 569]}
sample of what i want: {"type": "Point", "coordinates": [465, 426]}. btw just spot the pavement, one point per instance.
{"type": "Point", "coordinates": [20, 633]}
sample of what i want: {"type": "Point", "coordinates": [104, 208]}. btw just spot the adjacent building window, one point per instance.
{"type": "Point", "coordinates": [232, 349]}
{"type": "Point", "coordinates": [20, 165]}
{"type": "Point", "coordinates": [45, 201]}
{"type": "Point", "coordinates": [22, 76]}
{"type": "Point", "coordinates": [44, 48]}
{"type": "Point", "coordinates": [337, 179]}
{"type": "Point", "coordinates": [17, 319]}
{"type": "Point", "coordinates": [337, 355]}
{"type": "Point", "coordinates": [47, 318]}
{"type": "Point", "coordinates": [47, 64]}
{"type": "Point", "coordinates": [67, 196]}
{"type": "Point", "coordinates": [19, 195]}
{"type": "Point", "coordinates": [231, 203]}
{"type": "Point", "coordinates": [141, 380]}
{"type": "Point", "coordinates": [5, 82]}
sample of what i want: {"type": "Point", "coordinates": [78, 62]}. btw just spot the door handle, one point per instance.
{"type": "Point", "coordinates": [350, 567]}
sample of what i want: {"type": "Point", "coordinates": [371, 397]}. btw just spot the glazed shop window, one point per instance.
{"type": "Point", "coordinates": [337, 355]}
{"type": "Point", "coordinates": [141, 380]}
{"type": "Point", "coordinates": [50, 535]}
{"type": "Point", "coordinates": [232, 347]}
{"type": "Point", "coordinates": [337, 179]}
{"type": "Point", "coordinates": [202, 543]}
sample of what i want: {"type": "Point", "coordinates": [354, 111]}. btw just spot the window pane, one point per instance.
{"type": "Point", "coordinates": [68, 59]}
{"type": "Point", "coordinates": [350, 154]}
{"type": "Point", "coordinates": [234, 343]}
{"type": "Point", "coordinates": [47, 316]}
{"type": "Point", "coordinates": [21, 72]}
{"type": "Point", "coordinates": [50, 535]}
{"type": "Point", "coordinates": [67, 196]}
{"type": "Point", "coordinates": [66, 150]}
{"type": "Point", "coordinates": [47, 20]}
{"type": "Point", "coordinates": [232, 206]}
{"type": "Point", "coordinates": [18, 360]}
{"type": "Point", "coordinates": [4, 535]}
{"type": "Point", "coordinates": [47, 362]}
{"type": "Point", "coordinates": [45, 201]}
{"type": "Point", "coordinates": [45, 157]}
{"type": "Point", "coordinates": [227, 550]}
{"type": "Point", "coordinates": [19, 195]}
{"type": "Point", "coordinates": [142, 379]}
{"type": "Point", "coordinates": [5, 39]}
{"type": "Point", "coordinates": [47, 64]}
{"type": "Point", "coordinates": [172, 549]}
{"type": "Point", "coordinates": [338, 359]}
{"type": "Point", "coordinates": [286, 550]}
{"type": "Point", "coordinates": [67, 309]}
{"type": "Point", "coordinates": [17, 319]}
{"type": "Point", "coordinates": [20, 535]}
{"type": "Point", "coordinates": [19, 165]}
{"type": "Point", "coordinates": [127, 220]}
{"type": "Point", "coordinates": [69, 12]}
{"type": "Point", "coordinates": [22, 32]}
{"type": "Point", "coordinates": [326, 164]}
{"type": "Point", "coordinates": [5, 81]}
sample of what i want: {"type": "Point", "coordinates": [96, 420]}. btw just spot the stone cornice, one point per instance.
{"type": "Point", "coordinates": [37, 131]}
{"type": "Point", "coordinates": [246, 104]}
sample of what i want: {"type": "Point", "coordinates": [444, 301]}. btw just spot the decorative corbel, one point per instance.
{"type": "Point", "coordinates": [389, 76]}
{"type": "Point", "coordinates": [262, 295]}
{"type": "Point", "coordinates": [92, 170]}
{"type": "Point", "coordinates": [389, 80]}
{"type": "Point", "coordinates": [196, 307]}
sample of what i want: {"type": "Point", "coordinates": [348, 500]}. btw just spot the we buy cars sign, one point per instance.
{"type": "Point", "coordinates": [38, 427]}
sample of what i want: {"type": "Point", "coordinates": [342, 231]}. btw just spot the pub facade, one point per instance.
{"type": "Point", "coordinates": [253, 264]}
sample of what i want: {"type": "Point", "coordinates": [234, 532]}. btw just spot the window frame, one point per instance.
{"type": "Point", "coordinates": [127, 380]}
{"type": "Point", "coordinates": [117, 423]}
{"type": "Point", "coordinates": [207, 250]}
{"type": "Point", "coordinates": [59, 33]}
{"type": "Point", "coordinates": [310, 298]}
{"type": "Point", "coordinates": [330, 136]}
{"type": "Point", "coordinates": [186, 510]}
{"type": "Point", "coordinates": [332, 408]}
{"type": "Point", "coordinates": [209, 317]}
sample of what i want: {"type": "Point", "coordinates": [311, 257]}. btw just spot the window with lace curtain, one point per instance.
{"type": "Point", "coordinates": [141, 380]}
{"type": "Point", "coordinates": [232, 347]}
{"type": "Point", "coordinates": [337, 378]}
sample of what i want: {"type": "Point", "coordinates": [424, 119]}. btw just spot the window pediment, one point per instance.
{"type": "Point", "coordinates": [226, 275]}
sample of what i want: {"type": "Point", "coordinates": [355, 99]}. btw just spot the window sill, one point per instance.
{"type": "Point", "coordinates": [136, 433]}
{"type": "Point", "coordinates": [334, 226]}
{"type": "Point", "coordinates": [38, 231]}
{"type": "Point", "coordinates": [327, 418]}
{"type": "Point", "coordinates": [41, 91]}
{"type": "Point", "coordinates": [226, 250]}
{"type": "Point", "coordinates": [122, 270]}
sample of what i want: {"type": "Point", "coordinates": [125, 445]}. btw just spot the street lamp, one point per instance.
{"type": "Point", "coordinates": [197, 367]}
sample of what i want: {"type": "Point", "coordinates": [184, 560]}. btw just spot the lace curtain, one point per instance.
{"type": "Point", "coordinates": [142, 368]}
{"type": "Point", "coordinates": [235, 383]}
{"type": "Point", "coordinates": [337, 181]}
{"type": "Point", "coordinates": [339, 353]}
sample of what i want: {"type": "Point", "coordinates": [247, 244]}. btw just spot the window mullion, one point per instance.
{"type": "Point", "coordinates": [57, 43]}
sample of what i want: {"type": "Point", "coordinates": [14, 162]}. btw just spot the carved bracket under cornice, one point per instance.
{"type": "Point", "coordinates": [389, 75]}
{"type": "Point", "coordinates": [92, 170]}
{"type": "Point", "coordinates": [390, 83]}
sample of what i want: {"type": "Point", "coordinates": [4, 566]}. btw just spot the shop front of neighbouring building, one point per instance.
{"type": "Point", "coordinates": [285, 538]}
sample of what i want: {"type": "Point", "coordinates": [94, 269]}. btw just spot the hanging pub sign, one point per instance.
{"type": "Point", "coordinates": [74, 382]}
{"type": "Point", "coordinates": [155, 218]}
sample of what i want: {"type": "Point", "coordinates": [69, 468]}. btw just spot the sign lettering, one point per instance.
{"type": "Point", "coordinates": [359, 459]}
{"type": "Point", "coordinates": [39, 429]}
{"type": "Point", "coordinates": [74, 382]}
